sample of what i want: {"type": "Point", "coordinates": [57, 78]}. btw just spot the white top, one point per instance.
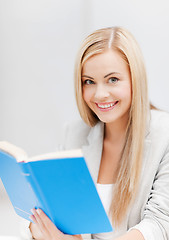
{"type": "Point", "coordinates": [105, 192]}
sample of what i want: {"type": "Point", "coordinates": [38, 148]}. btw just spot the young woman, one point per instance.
{"type": "Point", "coordinates": [124, 141]}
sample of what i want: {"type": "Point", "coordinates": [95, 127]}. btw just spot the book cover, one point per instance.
{"type": "Point", "coordinates": [61, 186]}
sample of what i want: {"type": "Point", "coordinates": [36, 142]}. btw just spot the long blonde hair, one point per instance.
{"type": "Point", "coordinates": [131, 157]}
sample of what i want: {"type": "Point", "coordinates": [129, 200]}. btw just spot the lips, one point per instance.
{"type": "Point", "coordinates": [106, 106]}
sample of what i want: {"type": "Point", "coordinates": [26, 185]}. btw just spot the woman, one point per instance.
{"type": "Point", "coordinates": [125, 144]}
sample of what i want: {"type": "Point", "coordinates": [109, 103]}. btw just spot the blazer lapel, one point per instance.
{"type": "Point", "coordinates": [93, 150]}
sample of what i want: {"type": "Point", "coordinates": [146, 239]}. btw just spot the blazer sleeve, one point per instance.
{"type": "Point", "coordinates": [155, 223]}
{"type": "Point", "coordinates": [25, 232]}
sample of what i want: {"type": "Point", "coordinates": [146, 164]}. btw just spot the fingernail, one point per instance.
{"type": "Point", "coordinates": [38, 211]}
{"type": "Point", "coordinates": [33, 210]}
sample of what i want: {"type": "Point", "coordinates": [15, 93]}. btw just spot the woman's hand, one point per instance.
{"type": "Point", "coordinates": [48, 229]}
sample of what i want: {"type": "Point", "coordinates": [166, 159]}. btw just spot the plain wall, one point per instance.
{"type": "Point", "coordinates": [38, 44]}
{"type": "Point", "coordinates": [39, 40]}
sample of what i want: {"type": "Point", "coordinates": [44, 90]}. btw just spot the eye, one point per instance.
{"type": "Point", "coordinates": [88, 82]}
{"type": "Point", "coordinates": [113, 80]}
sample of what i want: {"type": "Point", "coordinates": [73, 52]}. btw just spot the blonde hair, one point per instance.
{"type": "Point", "coordinates": [131, 157]}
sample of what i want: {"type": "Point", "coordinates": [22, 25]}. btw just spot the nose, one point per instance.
{"type": "Point", "coordinates": [101, 92]}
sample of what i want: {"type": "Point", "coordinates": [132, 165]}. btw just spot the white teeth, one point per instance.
{"type": "Point", "coordinates": [106, 105]}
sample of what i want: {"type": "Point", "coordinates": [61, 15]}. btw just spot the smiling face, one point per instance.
{"type": "Point", "coordinates": [107, 86]}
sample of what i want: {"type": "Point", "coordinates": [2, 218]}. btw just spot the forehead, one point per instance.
{"type": "Point", "coordinates": [110, 60]}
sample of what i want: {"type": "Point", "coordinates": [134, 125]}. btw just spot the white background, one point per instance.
{"type": "Point", "coordinates": [39, 40]}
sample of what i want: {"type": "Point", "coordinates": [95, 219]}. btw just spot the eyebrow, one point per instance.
{"type": "Point", "coordinates": [104, 76]}
{"type": "Point", "coordinates": [87, 77]}
{"type": "Point", "coordinates": [110, 74]}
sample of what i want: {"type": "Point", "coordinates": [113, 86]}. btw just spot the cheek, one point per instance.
{"type": "Point", "coordinates": [124, 95]}
{"type": "Point", "coordinates": [87, 95]}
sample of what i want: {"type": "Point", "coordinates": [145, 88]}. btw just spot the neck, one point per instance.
{"type": "Point", "coordinates": [115, 132]}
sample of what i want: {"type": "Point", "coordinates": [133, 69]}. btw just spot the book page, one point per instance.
{"type": "Point", "coordinates": [55, 155]}
{"type": "Point", "coordinates": [18, 153]}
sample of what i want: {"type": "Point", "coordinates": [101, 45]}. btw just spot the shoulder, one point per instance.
{"type": "Point", "coordinates": [75, 134]}
{"type": "Point", "coordinates": [159, 128]}
{"type": "Point", "coordinates": [160, 116]}
{"type": "Point", "coordinates": [77, 127]}
{"type": "Point", "coordinates": [159, 121]}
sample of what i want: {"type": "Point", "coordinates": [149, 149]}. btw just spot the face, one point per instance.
{"type": "Point", "coordinates": [107, 86]}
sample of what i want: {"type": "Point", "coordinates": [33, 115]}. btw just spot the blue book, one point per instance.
{"type": "Point", "coordinates": [58, 183]}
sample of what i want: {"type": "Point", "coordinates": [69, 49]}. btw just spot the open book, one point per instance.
{"type": "Point", "coordinates": [59, 183]}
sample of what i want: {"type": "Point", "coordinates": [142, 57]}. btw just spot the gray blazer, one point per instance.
{"type": "Point", "coordinates": [150, 211]}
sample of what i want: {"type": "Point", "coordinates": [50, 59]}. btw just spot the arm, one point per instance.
{"type": "Point", "coordinates": [155, 220]}
{"type": "Point", "coordinates": [132, 235]}
{"type": "Point", "coordinates": [45, 229]}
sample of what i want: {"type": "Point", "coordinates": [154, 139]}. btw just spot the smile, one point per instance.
{"type": "Point", "coordinates": [106, 106]}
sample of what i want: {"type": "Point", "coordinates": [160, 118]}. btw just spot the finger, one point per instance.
{"type": "Point", "coordinates": [49, 224]}
{"type": "Point", "coordinates": [37, 219]}
{"type": "Point", "coordinates": [33, 219]}
{"type": "Point", "coordinates": [35, 230]}
{"type": "Point", "coordinates": [39, 222]}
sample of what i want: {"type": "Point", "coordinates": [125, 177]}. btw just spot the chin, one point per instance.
{"type": "Point", "coordinates": [105, 120]}
{"type": "Point", "coordinates": [116, 118]}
